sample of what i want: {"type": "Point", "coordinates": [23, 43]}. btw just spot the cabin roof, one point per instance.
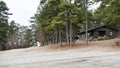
{"type": "Point", "coordinates": [91, 29]}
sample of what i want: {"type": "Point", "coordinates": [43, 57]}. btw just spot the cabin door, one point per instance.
{"type": "Point", "coordinates": [102, 33]}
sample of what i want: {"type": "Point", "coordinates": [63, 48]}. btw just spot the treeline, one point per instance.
{"type": "Point", "coordinates": [108, 13]}
{"type": "Point", "coordinates": [57, 22]}
{"type": "Point", "coordinates": [13, 35]}
{"type": "Point", "coordinates": [18, 36]}
{"type": "Point", "coordinates": [60, 20]}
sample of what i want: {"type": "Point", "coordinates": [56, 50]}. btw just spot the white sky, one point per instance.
{"type": "Point", "coordinates": [94, 6]}
{"type": "Point", "coordinates": [22, 10]}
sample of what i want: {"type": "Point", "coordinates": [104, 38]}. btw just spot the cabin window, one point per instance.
{"type": "Point", "coordinates": [111, 33]}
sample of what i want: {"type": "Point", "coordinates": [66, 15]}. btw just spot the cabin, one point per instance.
{"type": "Point", "coordinates": [0, 47]}
{"type": "Point", "coordinates": [98, 31]}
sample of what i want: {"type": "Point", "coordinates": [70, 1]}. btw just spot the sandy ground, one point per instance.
{"type": "Point", "coordinates": [100, 54]}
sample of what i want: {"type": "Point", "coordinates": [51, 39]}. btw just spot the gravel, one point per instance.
{"type": "Point", "coordinates": [97, 56]}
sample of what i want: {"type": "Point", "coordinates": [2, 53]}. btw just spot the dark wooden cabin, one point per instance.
{"type": "Point", "coordinates": [99, 31]}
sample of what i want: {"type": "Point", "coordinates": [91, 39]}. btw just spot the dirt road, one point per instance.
{"type": "Point", "coordinates": [98, 56]}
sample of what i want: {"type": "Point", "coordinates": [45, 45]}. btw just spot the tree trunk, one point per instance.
{"type": "Point", "coordinates": [86, 14]}
{"type": "Point", "coordinates": [67, 34]}
{"type": "Point", "coordinates": [74, 37]}
{"type": "Point", "coordinates": [57, 36]}
{"type": "Point", "coordinates": [71, 34]}
{"type": "Point", "coordinates": [60, 38]}
{"type": "Point", "coordinates": [67, 29]}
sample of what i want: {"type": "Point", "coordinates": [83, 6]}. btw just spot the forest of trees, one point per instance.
{"type": "Point", "coordinates": [12, 35]}
{"type": "Point", "coordinates": [60, 20]}
{"type": "Point", "coordinates": [56, 21]}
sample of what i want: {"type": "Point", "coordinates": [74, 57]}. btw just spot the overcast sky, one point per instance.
{"type": "Point", "coordinates": [22, 10]}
